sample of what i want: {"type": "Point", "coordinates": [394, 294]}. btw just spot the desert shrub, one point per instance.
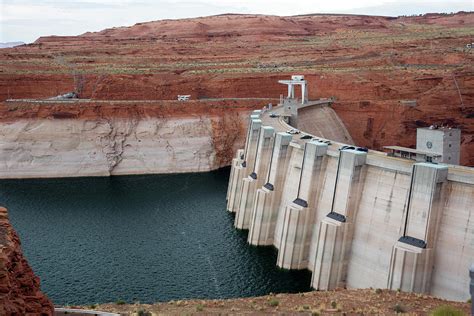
{"type": "Point", "coordinates": [399, 309]}
{"type": "Point", "coordinates": [199, 308]}
{"type": "Point", "coordinates": [446, 311]}
{"type": "Point", "coordinates": [273, 302]}
{"type": "Point", "coordinates": [120, 302]}
{"type": "Point", "coordinates": [143, 312]}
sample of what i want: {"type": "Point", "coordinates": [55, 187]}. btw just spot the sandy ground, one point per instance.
{"type": "Point", "coordinates": [337, 302]}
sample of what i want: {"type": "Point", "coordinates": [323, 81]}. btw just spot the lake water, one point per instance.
{"type": "Point", "coordinates": [140, 238]}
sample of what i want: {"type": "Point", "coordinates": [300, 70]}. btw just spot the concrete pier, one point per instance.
{"type": "Point", "coordinates": [264, 218]}
{"type": "Point", "coordinates": [335, 232]}
{"type": "Point", "coordinates": [299, 214]}
{"type": "Point", "coordinates": [290, 189]}
{"type": "Point", "coordinates": [248, 159]}
{"type": "Point", "coordinates": [256, 178]}
{"type": "Point", "coordinates": [236, 162]}
{"type": "Point", "coordinates": [412, 256]}
{"type": "Point", "coordinates": [354, 218]}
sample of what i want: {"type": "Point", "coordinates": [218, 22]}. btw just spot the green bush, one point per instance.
{"type": "Point", "coordinates": [399, 309]}
{"type": "Point", "coordinates": [199, 308]}
{"type": "Point", "coordinates": [143, 312]}
{"type": "Point", "coordinates": [120, 302]}
{"type": "Point", "coordinates": [446, 311]}
{"type": "Point", "coordinates": [273, 302]}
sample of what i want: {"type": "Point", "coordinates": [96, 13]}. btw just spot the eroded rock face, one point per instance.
{"type": "Point", "coordinates": [20, 292]}
{"type": "Point", "coordinates": [88, 139]}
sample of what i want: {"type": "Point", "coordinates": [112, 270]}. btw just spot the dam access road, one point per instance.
{"type": "Point", "coordinates": [354, 218]}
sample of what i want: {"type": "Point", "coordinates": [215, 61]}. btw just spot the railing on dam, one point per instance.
{"type": "Point", "coordinates": [354, 218]}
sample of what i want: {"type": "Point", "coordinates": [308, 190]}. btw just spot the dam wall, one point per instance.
{"type": "Point", "coordinates": [40, 139]}
{"type": "Point", "coordinates": [313, 119]}
{"type": "Point", "coordinates": [354, 218]}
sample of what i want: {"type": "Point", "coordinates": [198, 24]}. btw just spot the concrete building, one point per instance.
{"type": "Point", "coordinates": [433, 144]}
{"type": "Point", "coordinates": [412, 154]}
{"type": "Point", "coordinates": [354, 218]}
{"type": "Point", "coordinates": [442, 141]}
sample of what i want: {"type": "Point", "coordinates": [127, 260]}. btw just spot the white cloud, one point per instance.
{"type": "Point", "coordinates": [26, 20]}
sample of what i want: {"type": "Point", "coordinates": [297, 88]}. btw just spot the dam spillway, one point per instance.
{"type": "Point", "coordinates": [355, 218]}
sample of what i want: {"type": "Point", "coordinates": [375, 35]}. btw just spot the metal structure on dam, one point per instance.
{"type": "Point", "coordinates": [354, 218]}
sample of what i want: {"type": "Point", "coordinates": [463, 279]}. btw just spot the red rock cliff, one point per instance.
{"type": "Point", "coordinates": [20, 292]}
{"type": "Point", "coordinates": [389, 75]}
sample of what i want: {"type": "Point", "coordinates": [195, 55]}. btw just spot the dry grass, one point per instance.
{"type": "Point", "coordinates": [338, 302]}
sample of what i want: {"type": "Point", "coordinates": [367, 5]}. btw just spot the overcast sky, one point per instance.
{"type": "Point", "coordinates": [26, 20]}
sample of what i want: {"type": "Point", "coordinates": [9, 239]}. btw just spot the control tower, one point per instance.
{"type": "Point", "coordinates": [433, 144]}
{"type": "Point", "coordinates": [296, 80]}
{"type": "Point", "coordinates": [444, 141]}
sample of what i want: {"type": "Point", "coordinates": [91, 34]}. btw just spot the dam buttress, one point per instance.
{"type": "Point", "coordinates": [354, 217]}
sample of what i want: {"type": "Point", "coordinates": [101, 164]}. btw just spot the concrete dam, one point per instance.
{"type": "Point", "coordinates": [354, 217]}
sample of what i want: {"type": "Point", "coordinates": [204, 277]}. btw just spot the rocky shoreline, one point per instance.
{"type": "Point", "coordinates": [20, 292]}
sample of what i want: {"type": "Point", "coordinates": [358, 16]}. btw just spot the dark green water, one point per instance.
{"type": "Point", "coordinates": [139, 238]}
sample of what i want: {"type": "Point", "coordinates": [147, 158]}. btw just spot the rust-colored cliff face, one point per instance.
{"type": "Point", "coordinates": [389, 75]}
{"type": "Point", "coordinates": [19, 287]}
{"type": "Point", "coordinates": [90, 110]}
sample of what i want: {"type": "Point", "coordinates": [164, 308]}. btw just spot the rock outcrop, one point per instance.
{"type": "Point", "coordinates": [20, 292]}
{"type": "Point", "coordinates": [71, 139]}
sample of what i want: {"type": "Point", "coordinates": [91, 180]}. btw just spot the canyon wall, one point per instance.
{"type": "Point", "coordinates": [82, 138]}
{"type": "Point", "coordinates": [376, 110]}
{"type": "Point", "coordinates": [20, 292]}
{"type": "Point", "coordinates": [353, 218]}
{"type": "Point", "coordinates": [389, 75]}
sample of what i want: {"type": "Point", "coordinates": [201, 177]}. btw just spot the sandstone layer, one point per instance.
{"type": "Point", "coordinates": [20, 292]}
{"type": "Point", "coordinates": [70, 139]}
{"type": "Point", "coordinates": [388, 75]}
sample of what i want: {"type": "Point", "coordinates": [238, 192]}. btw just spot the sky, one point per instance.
{"type": "Point", "coordinates": [26, 20]}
